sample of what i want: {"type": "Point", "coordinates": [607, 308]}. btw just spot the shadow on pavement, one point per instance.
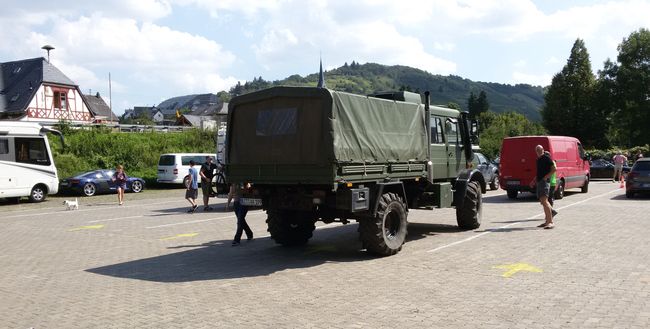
{"type": "Point", "coordinates": [217, 260]}
{"type": "Point", "coordinates": [637, 197]}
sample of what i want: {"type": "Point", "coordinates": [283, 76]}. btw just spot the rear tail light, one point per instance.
{"type": "Point", "coordinates": [632, 175]}
{"type": "Point", "coordinates": [74, 181]}
{"type": "Point", "coordinates": [175, 171]}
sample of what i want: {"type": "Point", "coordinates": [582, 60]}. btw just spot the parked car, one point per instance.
{"type": "Point", "coordinates": [518, 163]}
{"type": "Point", "coordinates": [489, 170]}
{"type": "Point", "coordinates": [638, 180]}
{"type": "Point", "coordinates": [98, 181]}
{"type": "Point", "coordinates": [601, 168]}
{"type": "Point", "coordinates": [173, 167]}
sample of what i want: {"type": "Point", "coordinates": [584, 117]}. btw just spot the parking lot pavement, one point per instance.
{"type": "Point", "coordinates": [150, 264]}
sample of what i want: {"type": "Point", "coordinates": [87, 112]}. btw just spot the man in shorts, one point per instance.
{"type": "Point", "coordinates": [193, 187]}
{"type": "Point", "coordinates": [619, 160]}
{"type": "Point", "coordinates": [545, 169]}
{"type": "Point", "coordinates": [207, 173]}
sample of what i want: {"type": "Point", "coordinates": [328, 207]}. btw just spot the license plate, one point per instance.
{"type": "Point", "coordinates": [251, 202]}
{"type": "Point", "coordinates": [512, 182]}
{"type": "Point", "coordinates": [64, 183]}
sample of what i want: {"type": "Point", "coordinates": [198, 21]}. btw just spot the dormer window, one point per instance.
{"type": "Point", "coordinates": [17, 69]}
{"type": "Point", "coordinates": [15, 98]}
{"type": "Point", "coordinates": [60, 100]}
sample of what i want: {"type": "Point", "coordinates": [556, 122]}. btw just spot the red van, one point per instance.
{"type": "Point", "coordinates": [518, 163]}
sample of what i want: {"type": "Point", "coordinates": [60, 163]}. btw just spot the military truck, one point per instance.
{"type": "Point", "coordinates": [314, 154]}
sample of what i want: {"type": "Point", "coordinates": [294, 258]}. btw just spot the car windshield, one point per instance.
{"type": "Point", "coordinates": [641, 166]}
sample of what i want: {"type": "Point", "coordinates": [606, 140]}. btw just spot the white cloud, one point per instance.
{"type": "Point", "coordinates": [520, 63]}
{"type": "Point", "coordinates": [149, 52]}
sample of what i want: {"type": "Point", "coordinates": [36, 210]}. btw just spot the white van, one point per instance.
{"type": "Point", "coordinates": [173, 167]}
{"type": "Point", "coordinates": [26, 163]}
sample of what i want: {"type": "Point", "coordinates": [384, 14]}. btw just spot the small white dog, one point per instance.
{"type": "Point", "coordinates": [71, 205]}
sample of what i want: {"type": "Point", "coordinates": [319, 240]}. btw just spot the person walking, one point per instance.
{"type": "Point", "coordinates": [120, 178]}
{"type": "Point", "coordinates": [545, 168]}
{"type": "Point", "coordinates": [236, 191]}
{"type": "Point", "coordinates": [193, 187]}
{"type": "Point", "coordinates": [207, 173]}
{"type": "Point", "coordinates": [619, 159]}
{"type": "Point", "coordinates": [552, 185]}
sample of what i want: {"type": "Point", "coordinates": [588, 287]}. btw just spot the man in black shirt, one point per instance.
{"type": "Point", "coordinates": [545, 169]}
{"type": "Point", "coordinates": [207, 173]}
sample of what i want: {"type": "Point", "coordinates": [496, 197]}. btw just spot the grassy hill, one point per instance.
{"type": "Point", "coordinates": [371, 78]}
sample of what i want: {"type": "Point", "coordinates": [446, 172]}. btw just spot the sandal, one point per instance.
{"type": "Point", "coordinates": [549, 226]}
{"type": "Point", "coordinates": [542, 225]}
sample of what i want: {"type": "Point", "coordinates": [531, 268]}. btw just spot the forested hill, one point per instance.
{"type": "Point", "coordinates": [371, 78]}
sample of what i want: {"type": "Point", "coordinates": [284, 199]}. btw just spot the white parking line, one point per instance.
{"type": "Point", "coordinates": [492, 230]}
{"type": "Point", "coordinates": [253, 213]}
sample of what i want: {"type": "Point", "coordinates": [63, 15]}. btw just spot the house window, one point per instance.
{"type": "Point", "coordinates": [60, 100]}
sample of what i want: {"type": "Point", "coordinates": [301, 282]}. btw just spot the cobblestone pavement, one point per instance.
{"type": "Point", "coordinates": [149, 264]}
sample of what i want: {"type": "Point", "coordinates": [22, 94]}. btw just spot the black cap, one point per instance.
{"type": "Point", "coordinates": [192, 162]}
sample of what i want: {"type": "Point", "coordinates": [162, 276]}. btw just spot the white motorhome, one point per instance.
{"type": "Point", "coordinates": [26, 163]}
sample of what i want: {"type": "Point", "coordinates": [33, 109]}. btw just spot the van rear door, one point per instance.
{"type": "Point", "coordinates": [166, 166]}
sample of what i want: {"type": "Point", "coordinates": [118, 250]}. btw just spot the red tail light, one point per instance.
{"type": "Point", "coordinates": [74, 181]}
{"type": "Point", "coordinates": [632, 175]}
{"type": "Point", "coordinates": [175, 171]}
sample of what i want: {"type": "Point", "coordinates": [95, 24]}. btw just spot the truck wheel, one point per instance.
{"type": "Point", "coordinates": [585, 187]}
{"type": "Point", "coordinates": [512, 194]}
{"type": "Point", "coordinates": [385, 233]}
{"type": "Point", "coordinates": [290, 228]}
{"type": "Point", "coordinates": [470, 214]}
{"type": "Point", "coordinates": [559, 191]}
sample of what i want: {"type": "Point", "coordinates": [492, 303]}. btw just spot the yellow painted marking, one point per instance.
{"type": "Point", "coordinates": [89, 227]}
{"type": "Point", "coordinates": [184, 235]}
{"type": "Point", "coordinates": [511, 269]}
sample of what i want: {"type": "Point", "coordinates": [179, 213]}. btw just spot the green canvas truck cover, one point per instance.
{"type": "Point", "coordinates": [303, 125]}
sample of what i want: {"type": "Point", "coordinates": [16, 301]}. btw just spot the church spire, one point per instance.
{"type": "Point", "coordinates": [321, 76]}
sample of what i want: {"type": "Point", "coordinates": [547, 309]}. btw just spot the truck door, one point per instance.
{"type": "Point", "coordinates": [454, 151]}
{"type": "Point", "coordinates": [438, 147]}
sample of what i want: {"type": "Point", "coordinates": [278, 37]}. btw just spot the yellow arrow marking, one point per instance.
{"type": "Point", "coordinates": [514, 268]}
{"type": "Point", "coordinates": [184, 235]}
{"type": "Point", "coordinates": [90, 227]}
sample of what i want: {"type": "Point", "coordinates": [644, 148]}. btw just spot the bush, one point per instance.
{"type": "Point", "coordinates": [137, 152]}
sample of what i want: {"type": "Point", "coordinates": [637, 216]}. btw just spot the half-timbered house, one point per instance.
{"type": "Point", "coordinates": [35, 90]}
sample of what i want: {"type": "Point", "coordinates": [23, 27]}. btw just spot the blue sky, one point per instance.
{"type": "Point", "coordinates": [157, 49]}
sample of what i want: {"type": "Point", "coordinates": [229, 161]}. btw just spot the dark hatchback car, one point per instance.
{"type": "Point", "coordinates": [638, 180]}
{"type": "Point", "coordinates": [488, 169]}
{"type": "Point", "coordinates": [601, 168]}
{"type": "Point", "coordinates": [98, 181]}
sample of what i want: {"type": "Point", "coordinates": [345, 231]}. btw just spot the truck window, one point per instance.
{"type": "Point", "coordinates": [32, 150]}
{"type": "Point", "coordinates": [276, 122]}
{"type": "Point", "coordinates": [4, 146]}
{"type": "Point", "coordinates": [436, 130]}
{"type": "Point", "coordinates": [452, 131]}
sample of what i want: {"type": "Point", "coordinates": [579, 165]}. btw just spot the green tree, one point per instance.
{"type": "Point", "coordinates": [472, 106]}
{"type": "Point", "coordinates": [498, 126]}
{"type": "Point", "coordinates": [633, 85]}
{"type": "Point", "coordinates": [568, 108]}
{"type": "Point", "coordinates": [605, 106]}
{"type": "Point", "coordinates": [482, 104]}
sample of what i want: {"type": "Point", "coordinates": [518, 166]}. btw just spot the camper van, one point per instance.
{"type": "Point", "coordinates": [517, 166]}
{"type": "Point", "coordinates": [26, 163]}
